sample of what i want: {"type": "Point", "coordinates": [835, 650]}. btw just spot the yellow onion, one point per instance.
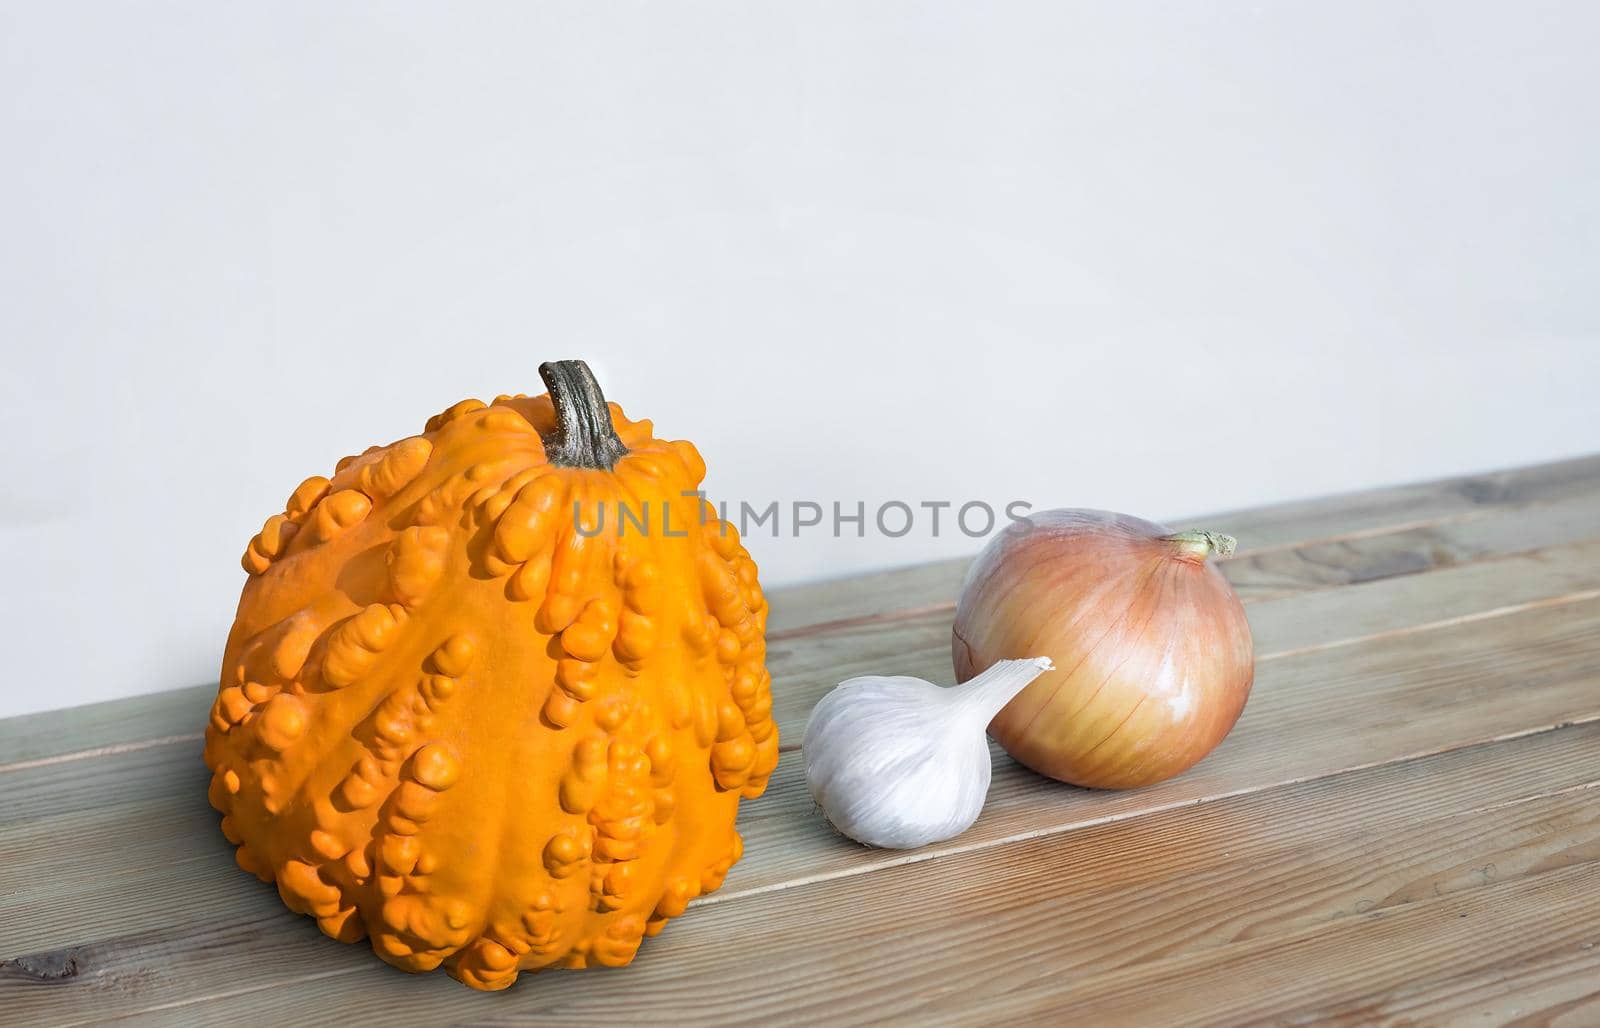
{"type": "Point", "coordinates": [1151, 647]}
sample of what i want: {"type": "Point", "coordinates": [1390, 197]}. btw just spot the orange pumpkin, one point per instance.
{"type": "Point", "coordinates": [494, 691]}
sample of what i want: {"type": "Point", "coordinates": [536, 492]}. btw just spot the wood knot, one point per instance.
{"type": "Point", "coordinates": [1484, 490]}
{"type": "Point", "coordinates": [57, 965]}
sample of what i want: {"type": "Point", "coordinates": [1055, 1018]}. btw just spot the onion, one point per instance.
{"type": "Point", "coordinates": [1151, 645]}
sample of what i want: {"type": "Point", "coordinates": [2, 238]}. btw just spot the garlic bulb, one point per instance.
{"type": "Point", "coordinates": [899, 762]}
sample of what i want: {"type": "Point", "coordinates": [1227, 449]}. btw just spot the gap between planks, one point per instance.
{"type": "Point", "coordinates": [102, 751]}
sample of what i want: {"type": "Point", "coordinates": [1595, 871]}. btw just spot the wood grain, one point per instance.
{"type": "Point", "coordinates": [1334, 524]}
{"type": "Point", "coordinates": [1559, 988]}
{"type": "Point", "coordinates": [1252, 887]}
{"type": "Point", "coordinates": [153, 802]}
{"type": "Point", "coordinates": [1474, 584]}
{"type": "Point", "coordinates": [1321, 565]}
{"type": "Point", "coordinates": [1287, 549]}
{"type": "Point", "coordinates": [1387, 509]}
{"type": "Point", "coordinates": [1382, 702]}
{"type": "Point", "coordinates": [1403, 825]}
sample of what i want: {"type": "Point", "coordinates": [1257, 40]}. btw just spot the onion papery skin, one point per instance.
{"type": "Point", "coordinates": [1152, 649]}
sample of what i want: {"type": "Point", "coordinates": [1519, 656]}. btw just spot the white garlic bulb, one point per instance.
{"type": "Point", "coordinates": [901, 763]}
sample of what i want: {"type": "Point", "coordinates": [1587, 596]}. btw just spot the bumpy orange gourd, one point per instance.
{"type": "Point", "coordinates": [494, 691]}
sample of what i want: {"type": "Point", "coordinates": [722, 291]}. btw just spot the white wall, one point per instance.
{"type": "Point", "coordinates": [1163, 258]}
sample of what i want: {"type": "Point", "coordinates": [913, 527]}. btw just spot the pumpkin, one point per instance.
{"type": "Point", "coordinates": [494, 692]}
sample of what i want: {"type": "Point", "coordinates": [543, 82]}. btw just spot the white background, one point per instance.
{"type": "Point", "coordinates": [1163, 258]}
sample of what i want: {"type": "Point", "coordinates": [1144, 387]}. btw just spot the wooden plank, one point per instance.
{"type": "Point", "coordinates": [1555, 988]}
{"type": "Point", "coordinates": [102, 729]}
{"type": "Point", "coordinates": [1381, 702]}
{"type": "Point", "coordinates": [1272, 569]}
{"type": "Point", "coordinates": [1352, 515]}
{"type": "Point", "coordinates": [1408, 510]}
{"type": "Point", "coordinates": [153, 801]}
{"type": "Point", "coordinates": [1327, 618]}
{"type": "Point", "coordinates": [1443, 596]}
{"type": "Point", "coordinates": [1309, 717]}
{"type": "Point", "coordinates": [1318, 974]}
{"type": "Point", "coordinates": [1271, 890]}
{"type": "Point", "coordinates": [1295, 548]}
{"type": "Point", "coordinates": [805, 669]}
{"type": "Point", "coordinates": [170, 718]}
{"type": "Point", "coordinates": [1321, 565]}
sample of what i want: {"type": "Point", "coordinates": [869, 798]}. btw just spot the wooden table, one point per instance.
{"type": "Point", "coordinates": [1403, 827]}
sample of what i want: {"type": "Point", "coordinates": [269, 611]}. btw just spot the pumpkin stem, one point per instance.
{"type": "Point", "coordinates": [584, 435]}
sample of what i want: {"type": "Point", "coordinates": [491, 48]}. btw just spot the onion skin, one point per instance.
{"type": "Point", "coordinates": [1152, 649]}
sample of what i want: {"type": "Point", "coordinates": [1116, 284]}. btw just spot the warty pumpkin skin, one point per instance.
{"type": "Point", "coordinates": [452, 722]}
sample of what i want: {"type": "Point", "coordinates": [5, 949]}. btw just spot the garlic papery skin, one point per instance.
{"type": "Point", "coordinates": [901, 763]}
